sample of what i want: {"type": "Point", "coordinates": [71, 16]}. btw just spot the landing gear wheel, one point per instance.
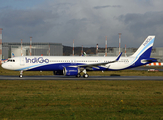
{"type": "Point", "coordinates": [78, 76]}
{"type": "Point", "coordinates": [20, 76]}
{"type": "Point", "coordinates": [85, 75]}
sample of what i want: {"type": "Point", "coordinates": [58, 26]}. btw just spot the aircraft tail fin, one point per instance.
{"type": "Point", "coordinates": [144, 51]}
{"type": "Point", "coordinates": [13, 55]}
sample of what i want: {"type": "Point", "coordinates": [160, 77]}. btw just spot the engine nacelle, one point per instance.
{"type": "Point", "coordinates": [71, 71]}
{"type": "Point", "coordinates": [59, 72]}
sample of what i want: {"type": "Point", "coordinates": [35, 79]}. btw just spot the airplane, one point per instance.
{"type": "Point", "coordinates": [75, 65]}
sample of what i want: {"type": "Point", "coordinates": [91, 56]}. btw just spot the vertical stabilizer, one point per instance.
{"type": "Point", "coordinates": [144, 51]}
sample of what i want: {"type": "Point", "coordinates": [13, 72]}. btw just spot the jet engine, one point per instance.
{"type": "Point", "coordinates": [71, 71]}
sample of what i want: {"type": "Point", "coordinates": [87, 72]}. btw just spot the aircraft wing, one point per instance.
{"type": "Point", "coordinates": [102, 63]}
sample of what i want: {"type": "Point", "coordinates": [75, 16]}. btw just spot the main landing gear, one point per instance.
{"type": "Point", "coordinates": [85, 74]}
{"type": "Point", "coordinates": [21, 74]}
{"type": "Point", "coordinates": [78, 76]}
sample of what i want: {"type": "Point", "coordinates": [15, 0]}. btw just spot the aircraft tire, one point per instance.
{"type": "Point", "coordinates": [78, 76]}
{"type": "Point", "coordinates": [20, 76]}
{"type": "Point", "coordinates": [85, 75]}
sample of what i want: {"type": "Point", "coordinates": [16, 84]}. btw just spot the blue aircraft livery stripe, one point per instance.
{"type": "Point", "coordinates": [151, 42]}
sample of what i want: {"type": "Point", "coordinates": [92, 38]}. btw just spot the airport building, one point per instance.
{"type": "Point", "coordinates": [35, 49]}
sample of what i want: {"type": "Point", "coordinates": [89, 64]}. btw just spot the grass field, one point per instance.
{"type": "Point", "coordinates": [94, 100]}
{"type": "Point", "coordinates": [81, 100]}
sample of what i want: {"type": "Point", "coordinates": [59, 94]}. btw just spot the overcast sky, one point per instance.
{"type": "Point", "coordinates": [85, 21]}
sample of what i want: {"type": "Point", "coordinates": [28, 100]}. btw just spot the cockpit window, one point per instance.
{"type": "Point", "coordinates": [10, 60]}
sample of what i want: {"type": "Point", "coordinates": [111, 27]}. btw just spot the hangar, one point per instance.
{"type": "Point", "coordinates": [36, 49]}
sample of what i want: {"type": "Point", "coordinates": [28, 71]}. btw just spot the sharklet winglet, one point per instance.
{"type": "Point", "coordinates": [119, 56]}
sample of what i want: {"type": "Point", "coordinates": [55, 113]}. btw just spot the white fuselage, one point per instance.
{"type": "Point", "coordinates": [58, 62]}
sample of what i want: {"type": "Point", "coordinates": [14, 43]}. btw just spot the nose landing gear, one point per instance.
{"type": "Point", "coordinates": [21, 74]}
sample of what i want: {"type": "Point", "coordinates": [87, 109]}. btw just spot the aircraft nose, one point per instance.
{"type": "Point", "coordinates": [6, 66]}
{"type": "Point", "coordinates": [3, 65]}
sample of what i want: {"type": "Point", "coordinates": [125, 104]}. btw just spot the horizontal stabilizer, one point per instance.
{"type": "Point", "coordinates": [149, 60]}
